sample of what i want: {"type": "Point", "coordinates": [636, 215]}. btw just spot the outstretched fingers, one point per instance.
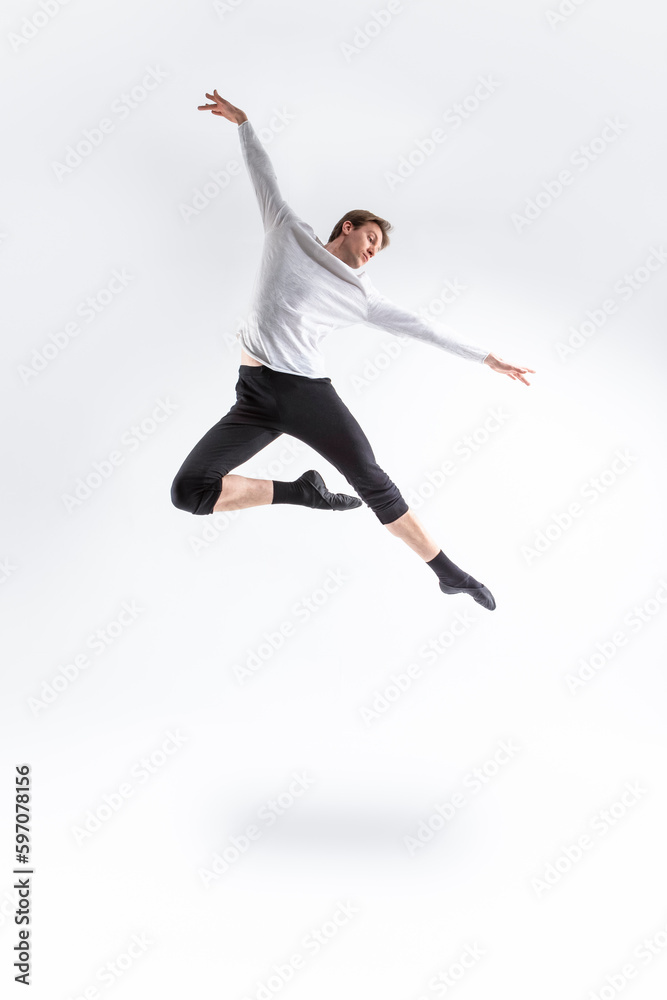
{"type": "Point", "coordinates": [215, 107]}
{"type": "Point", "coordinates": [220, 107]}
{"type": "Point", "coordinates": [518, 374]}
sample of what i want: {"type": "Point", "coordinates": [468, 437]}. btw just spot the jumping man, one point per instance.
{"type": "Point", "coordinates": [305, 290]}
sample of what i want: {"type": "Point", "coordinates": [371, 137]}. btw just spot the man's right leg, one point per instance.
{"type": "Point", "coordinates": [204, 484]}
{"type": "Point", "coordinates": [239, 492]}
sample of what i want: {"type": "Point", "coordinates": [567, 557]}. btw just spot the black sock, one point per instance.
{"type": "Point", "coordinates": [451, 574]}
{"type": "Point", "coordinates": [297, 492]}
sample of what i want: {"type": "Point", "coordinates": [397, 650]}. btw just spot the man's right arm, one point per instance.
{"type": "Point", "coordinates": [273, 206]}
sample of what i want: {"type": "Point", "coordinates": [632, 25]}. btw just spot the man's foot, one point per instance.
{"type": "Point", "coordinates": [309, 490]}
{"type": "Point", "coordinates": [480, 593]}
{"type": "Point", "coordinates": [317, 495]}
{"type": "Point", "coordinates": [454, 580]}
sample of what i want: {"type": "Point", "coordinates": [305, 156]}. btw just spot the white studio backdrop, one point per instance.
{"type": "Point", "coordinates": [268, 756]}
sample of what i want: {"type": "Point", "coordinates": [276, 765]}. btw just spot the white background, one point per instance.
{"type": "Point", "coordinates": [494, 879]}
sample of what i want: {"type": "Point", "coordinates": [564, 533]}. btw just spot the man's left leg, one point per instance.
{"type": "Point", "coordinates": [408, 528]}
{"type": "Point", "coordinates": [452, 579]}
{"type": "Point", "coordinates": [314, 413]}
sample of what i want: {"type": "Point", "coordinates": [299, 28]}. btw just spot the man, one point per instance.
{"type": "Point", "coordinates": [304, 291]}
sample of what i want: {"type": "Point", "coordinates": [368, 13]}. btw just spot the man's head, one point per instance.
{"type": "Point", "coordinates": [358, 236]}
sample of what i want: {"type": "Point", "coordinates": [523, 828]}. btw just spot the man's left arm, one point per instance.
{"type": "Point", "coordinates": [386, 315]}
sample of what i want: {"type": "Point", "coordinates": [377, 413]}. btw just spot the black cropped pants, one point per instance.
{"type": "Point", "coordinates": [268, 404]}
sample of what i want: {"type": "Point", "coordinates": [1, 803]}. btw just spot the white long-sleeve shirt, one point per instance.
{"type": "Point", "coordinates": [303, 292]}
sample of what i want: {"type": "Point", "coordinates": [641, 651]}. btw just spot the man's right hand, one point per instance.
{"type": "Point", "coordinates": [224, 109]}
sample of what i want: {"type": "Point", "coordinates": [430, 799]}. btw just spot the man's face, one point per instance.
{"type": "Point", "coordinates": [360, 245]}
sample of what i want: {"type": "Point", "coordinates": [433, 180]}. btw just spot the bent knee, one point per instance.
{"type": "Point", "coordinates": [182, 495]}
{"type": "Point", "coordinates": [195, 497]}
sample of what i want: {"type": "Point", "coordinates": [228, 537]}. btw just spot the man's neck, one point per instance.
{"type": "Point", "coordinates": [335, 252]}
